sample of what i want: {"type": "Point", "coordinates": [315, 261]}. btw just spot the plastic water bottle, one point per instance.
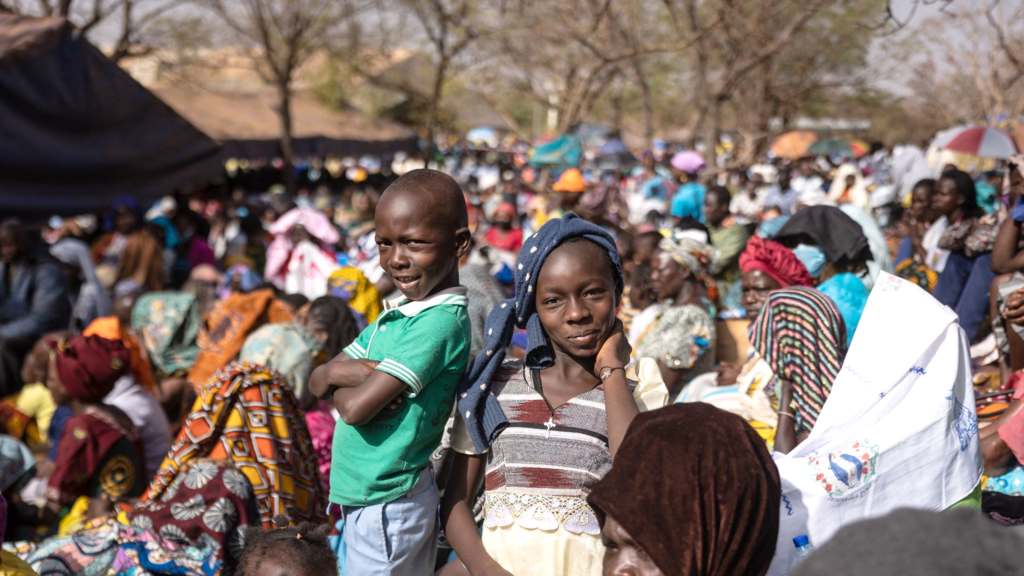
{"type": "Point", "coordinates": [803, 550]}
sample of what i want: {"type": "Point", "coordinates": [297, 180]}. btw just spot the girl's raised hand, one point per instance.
{"type": "Point", "coordinates": [615, 351]}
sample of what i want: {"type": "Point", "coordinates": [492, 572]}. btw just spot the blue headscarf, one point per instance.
{"type": "Point", "coordinates": [850, 296]}
{"type": "Point", "coordinates": [478, 408]}
{"type": "Point", "coordinates": [769, 228]}
{"type": "Point", "coordinates": [126, 201]}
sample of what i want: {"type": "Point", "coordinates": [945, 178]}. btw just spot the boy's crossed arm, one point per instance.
{"type": "Point", "coordinates": [359, 391]}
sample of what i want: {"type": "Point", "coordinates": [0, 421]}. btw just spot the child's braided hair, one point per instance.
{"type": "Point", "coordinates": [303, 547]}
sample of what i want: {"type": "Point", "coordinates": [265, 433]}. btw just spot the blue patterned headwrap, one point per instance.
{"type": "Point", "coordinates": [477, 406]}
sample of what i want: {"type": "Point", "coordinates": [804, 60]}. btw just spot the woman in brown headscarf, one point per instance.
{"type": "Point", "coordinates": [99, 455]}
{"type": "Point", "coordinates": [693, 492]}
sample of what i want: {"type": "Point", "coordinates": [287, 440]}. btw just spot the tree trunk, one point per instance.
{"type": "Point", "coordinates": [712, 134]}
{"type": "Point", "coordinates": [645, 97]}
{"type": "Point", "coordinates": [435, 102]}
{"type": "Point", "coordinates": [284, 111]}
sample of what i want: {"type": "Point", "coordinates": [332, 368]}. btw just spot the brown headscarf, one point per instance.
{"type": "Point", "coordinates": [697, 490]}
{"type": "Point", "coordinates": [90, 365]}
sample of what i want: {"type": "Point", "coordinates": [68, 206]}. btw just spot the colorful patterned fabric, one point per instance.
{"type": "Point", "coordinates": [697, 256]}
{"type": "Point", "coordinates": [1011, 483]}
{"type": "Point", "coordinates": [682, 337]}
{"type": "Point", "coordinates": [169, 323]}
{"type": "Point", "coordinates": [802, 336]}
{"type": "Point", "coordinates": [15, 423]}
{"type": "Point", "coordinates": [197, 529]}
{"type": "Point", "coordinates": [289, 349]}
{"type": "Point", "coordinates": [917, 273]}
{"type": "Point", "coordinates": [321, 426]}
{"type": "Point", "coordinates": [354, 287]}
{"type": "Point", "coordinates": [226, 326]}
{"type": "Point", "coordinates": [249, 415]}
{"type": "Point", "coordinates": [99, 454]}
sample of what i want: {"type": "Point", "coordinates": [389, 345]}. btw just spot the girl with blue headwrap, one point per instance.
{"type": "Point", "coordinates": [545, 428]}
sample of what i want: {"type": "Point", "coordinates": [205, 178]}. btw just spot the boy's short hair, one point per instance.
{"type": "Point", "coordinates": [444, 191]}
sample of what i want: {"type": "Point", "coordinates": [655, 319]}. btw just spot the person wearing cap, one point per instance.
{"type": "Point", "coordinates": [99, 454]}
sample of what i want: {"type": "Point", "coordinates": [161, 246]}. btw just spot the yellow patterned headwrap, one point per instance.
{"type": "Point", "coordinates": [354, 287]}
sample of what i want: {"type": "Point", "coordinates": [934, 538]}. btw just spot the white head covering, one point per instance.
{"type": "Point", "coordinates": [859, 195]}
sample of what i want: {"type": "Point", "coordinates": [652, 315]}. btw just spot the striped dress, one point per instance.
{"type": "Point", "coordinates": [539, 472]}
{"type": "Point", "coordinates": [802, 337]}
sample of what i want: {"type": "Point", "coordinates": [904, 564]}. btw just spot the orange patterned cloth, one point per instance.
{"type": "Point", "coordinates": [226, 326]}
{"type": "Point", "coordinates": [110, 328]}
{"type": "Point", "coordinates": [17, 424]}
{"type": "Point", "coordinates": [249, 415]}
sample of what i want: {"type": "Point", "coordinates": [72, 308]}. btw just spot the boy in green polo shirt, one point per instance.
{"type": "Point", "coordinates": [394, 386]}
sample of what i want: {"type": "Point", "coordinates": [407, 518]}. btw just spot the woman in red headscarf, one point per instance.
{"type": "Point", "coordinates": [765, 266]}
{"type": "Point", "coordinates": [504, 234]}
{"type": "Point", "coordinates": [768, 266]}
{"type": "Point", "coordinates": [99, 453]}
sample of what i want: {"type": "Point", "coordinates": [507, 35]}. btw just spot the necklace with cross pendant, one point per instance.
{"type": "Point", "coordinates": [550, 424]}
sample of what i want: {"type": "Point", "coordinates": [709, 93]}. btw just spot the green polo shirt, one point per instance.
{"type": "Point", "coordinates": [426, 345]}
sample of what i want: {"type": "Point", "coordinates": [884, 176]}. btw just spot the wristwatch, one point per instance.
{"type": "Point", "coordinates": [606, 372]}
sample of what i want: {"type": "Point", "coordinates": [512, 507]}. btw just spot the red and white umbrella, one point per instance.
{"type": "Point", "coordinates": [979, 141]}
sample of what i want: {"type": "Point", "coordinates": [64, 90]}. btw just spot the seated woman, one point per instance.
{"type": "Point", "coordinates": [539, 433]}
{"type": "Point", "coordinates": [965, 279]}
{"type": "Point", "coordinates": [267, 441]}
{"type": "Point", "coordinates": [135, 393]}
{"type": "Point", "coordinates": [100, 455]}
{"type": "Point", "coordinates": [129, 258]}
{"type": "Point", "coordinates": [197, 528]}
{"type": "Point", "coordinates": [228, 323]}
{"type": "Point", "coordinates": [89, 300]}
{"type": "Point", "coordinates": [766, 266]}
{"type": "Point", "coordinates": [719, 514]}
{"type": "Point", "coordinates": [26, 416]}
{"type": "Point", "coordinates": [804, 362]}
{"type": "Point", "coordinates": [681, 338]}
{"type": "Point", "coordinates": [1008, 262]}
{"type": "Point", "coordinates": [919, 259]}
{"type": "Point", "coordinates": [168, 324]}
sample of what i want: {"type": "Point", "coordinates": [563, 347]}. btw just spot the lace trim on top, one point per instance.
{"type": "Point", "coordinates": [540, 512]}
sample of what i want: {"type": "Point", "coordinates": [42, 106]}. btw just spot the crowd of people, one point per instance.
{"type": "Point", "coordinates": [503, 370]}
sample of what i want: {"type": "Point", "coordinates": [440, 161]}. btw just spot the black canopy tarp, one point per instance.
{"type": "Point", "coordinates": [77, 132]}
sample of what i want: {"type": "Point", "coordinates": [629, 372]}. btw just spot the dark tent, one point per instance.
{"type": "Point", "coordinates": [76, 131]}
{"type": "Point", "coordinates": [248, 125]}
